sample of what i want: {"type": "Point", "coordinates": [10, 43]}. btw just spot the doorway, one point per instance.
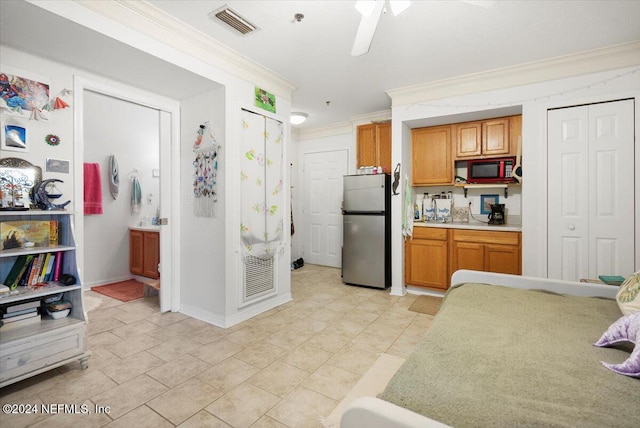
{"type": "Point", "coordinates": [143, 128]}
{"type": "Point", "coordinates": [322, 207]}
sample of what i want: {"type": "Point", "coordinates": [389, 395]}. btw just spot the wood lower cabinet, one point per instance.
{"type": "Point", "coordinates": [425, 256]}
{"type": "Point", "coordinates": [374, 146]}
{"type": "Point", "coordinates": [488, 251]}
{"type": "Point", "coordinates": [431, 159]}
{"type": "Point", "coordinates": [144, 253]}
{"type": "Point", "coordinates": [435, 253]}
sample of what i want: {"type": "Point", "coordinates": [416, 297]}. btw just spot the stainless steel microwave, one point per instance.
{"type": "Point", "coordinates": [497, 170]}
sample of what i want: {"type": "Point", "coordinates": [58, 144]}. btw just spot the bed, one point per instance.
{"type": "Point", "coordinates": [508, 350]}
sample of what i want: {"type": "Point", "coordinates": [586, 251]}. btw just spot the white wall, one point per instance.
{"type": "Point", "coordinates": [535, 99]}
{"type": "Point", "coordinates": [131, 133]}
{"type": "Point", "coordinates": [202, 253]}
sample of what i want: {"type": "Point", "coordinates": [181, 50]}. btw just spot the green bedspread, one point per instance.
{"type": "Point", "coordinates": [503, 357]}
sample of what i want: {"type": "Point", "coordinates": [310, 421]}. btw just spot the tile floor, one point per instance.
{"type": "Point", "coordinates": [287, 367]}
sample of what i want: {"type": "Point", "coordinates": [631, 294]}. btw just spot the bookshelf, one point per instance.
{"type": "Point", "coordinates": [31, 349]}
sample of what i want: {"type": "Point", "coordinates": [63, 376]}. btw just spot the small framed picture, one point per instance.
{"type": "Point", "coordinates": [486, 201]}
{"type": "Point", "coordinates": [14, 137]}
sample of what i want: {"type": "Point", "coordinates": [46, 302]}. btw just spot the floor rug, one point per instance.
{"type": "Point", "coordinates": [371, 384]}
{"type": "Point", "coordinates": [124, 291]}
{"type": "Point", "coordinates": [426, 305]}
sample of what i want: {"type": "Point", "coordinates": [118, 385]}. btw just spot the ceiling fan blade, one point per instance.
{"type": "Point", "coordinates": [366, 29]}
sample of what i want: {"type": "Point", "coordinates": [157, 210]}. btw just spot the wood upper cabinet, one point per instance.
{"type": "Point", "coordinates": [488, 251]}
{"type": "Point", "coordinates": [431, 159]}
{"type": "Point", "coordinates": [373, 146]}
{"type": "Point", "coordinates": [468, 138]}
{"type": "Point", "coordinates": [426, 258]}
{"type": "Point", "coordinates": [494, 137]}
{"type": "Point", "coordinates": [144, 253]}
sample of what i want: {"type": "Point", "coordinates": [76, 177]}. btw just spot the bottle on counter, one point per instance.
{"type": "Point", "coordinates": [418, 208]}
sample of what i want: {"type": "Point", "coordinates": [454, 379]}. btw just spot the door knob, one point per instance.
{"type": "Point", "coordinates": [572, 227]}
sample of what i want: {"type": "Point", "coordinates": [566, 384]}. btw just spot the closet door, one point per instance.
{"type": "Point", "coordinates": [590, 191]}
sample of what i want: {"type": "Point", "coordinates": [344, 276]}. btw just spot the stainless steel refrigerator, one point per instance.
{"type": "Point", "coordinates": [366, 214]}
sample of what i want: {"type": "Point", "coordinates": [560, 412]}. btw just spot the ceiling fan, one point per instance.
{"type": "Point", "coordinates": [371, 11]}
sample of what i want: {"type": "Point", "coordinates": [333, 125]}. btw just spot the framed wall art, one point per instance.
{"type": "Point", "coordinates": [486, 201]}
{"type": "Point", "coordinates": [13, 137]}
{"type": "Point", "coordinates": [23, 95]}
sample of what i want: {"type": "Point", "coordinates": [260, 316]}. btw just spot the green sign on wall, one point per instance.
{"type": "Point", "coordinates": [265, 100]}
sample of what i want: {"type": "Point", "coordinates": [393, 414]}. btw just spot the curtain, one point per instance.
{"type": "Point", "coordinates": [261, 192]}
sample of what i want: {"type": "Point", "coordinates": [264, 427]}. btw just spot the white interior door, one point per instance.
{"type": "Point", "coordinates": [591, 193]}
{"type": "Point", "coordinates": [322, 207]}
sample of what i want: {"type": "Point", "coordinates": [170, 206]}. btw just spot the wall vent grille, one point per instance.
{"type": "Point", "coordinates": [234, 20]}
{"type": "Point", "coordinates": [258, 276]}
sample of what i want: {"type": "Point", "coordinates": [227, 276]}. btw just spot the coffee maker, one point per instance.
{"type": "Point", "coordinates": [497, 214]}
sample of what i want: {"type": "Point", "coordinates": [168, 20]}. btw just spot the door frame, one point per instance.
{"type": "Point", "coordinates": [169, 161]}
{"type": "Point", "coordinates": [306, 191]}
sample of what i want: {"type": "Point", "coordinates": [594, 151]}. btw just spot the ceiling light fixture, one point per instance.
{"type": "Point", "coordinates": [298, 117]}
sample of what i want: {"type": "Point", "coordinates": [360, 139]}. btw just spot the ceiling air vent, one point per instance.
{"type": "Point", "coordinates": [233, 19]}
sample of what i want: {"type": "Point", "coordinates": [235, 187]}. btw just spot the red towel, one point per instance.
{"type": "Point", "coordinates": [92, 189]}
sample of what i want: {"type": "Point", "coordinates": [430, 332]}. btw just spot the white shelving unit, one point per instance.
{"type": "Point", "coordinates": [32, 349]}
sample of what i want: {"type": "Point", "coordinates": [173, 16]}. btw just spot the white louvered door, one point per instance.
{"type": "Point", "coordinates": [590, 191]}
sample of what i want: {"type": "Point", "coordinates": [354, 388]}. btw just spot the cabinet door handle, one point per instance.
{"type": "Point", "coordinates": [572, 227]}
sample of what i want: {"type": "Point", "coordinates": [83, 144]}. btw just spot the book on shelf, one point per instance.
{"type": "Point", "coordinates": [22, 316]}
{"type": "Point", "coordinates": [25, 276]}
{"type": "Point", "coordinates": [20, 323]}
{"type": "Point", "coordinates": [18, 269]}
{"type": "Point", "coordinates": [45, 265]}
{"type": "Point", "coordinates": [50, 265]}
{"type": "Point", "coordinates": [20, 306]}
{"type": "Point", "coordinates": [58, 265]}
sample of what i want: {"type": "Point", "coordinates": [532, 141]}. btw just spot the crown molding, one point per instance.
{"type": "Point", "coordinates": [581, 63]}
{"type": "Point", "coordinates": [330, 130]}
{"type": "Point", "coordinates": [339, 128]}
{"type": "Point", "coordinates": [147, 19]}
{"type": "Point", "coordinates": [362, 119]}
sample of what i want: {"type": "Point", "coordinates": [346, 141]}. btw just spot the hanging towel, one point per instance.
{"type": "Point", "coordinates": [136, 195]}
{"type": "Point", "coordinates": [92, 189]}
{"type": "Point", "coordinates": [114, 177]}
{"type": "Point", "coordinates": [407, 221]}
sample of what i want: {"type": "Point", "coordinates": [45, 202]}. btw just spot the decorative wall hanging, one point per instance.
{"type": "Point", "coordinates": [57, 165]}
{"type": "Point", "coordinates": [206, 149]}
{"type": "Point", "coordinates": [24, 97]}
{"type": "Point", "coordinates": [265, 100]}
{"type": "Point", "coordinates": [13, 137]}
{"type": "Point", "coordinates": [114, 177]}
{"type": "Point", "coordinates": [52, 139]}
{"type": "Point", "coordinates": [57, 102]}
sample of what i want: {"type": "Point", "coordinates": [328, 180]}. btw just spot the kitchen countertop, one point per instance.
{"type": "Point", "coordinates": [149, 228]}
{"type": "Point", "coordinates": [473, 224]}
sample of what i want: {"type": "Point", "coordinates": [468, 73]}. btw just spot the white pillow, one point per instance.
{"type": "Point", "coordinates": [628, 297]}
